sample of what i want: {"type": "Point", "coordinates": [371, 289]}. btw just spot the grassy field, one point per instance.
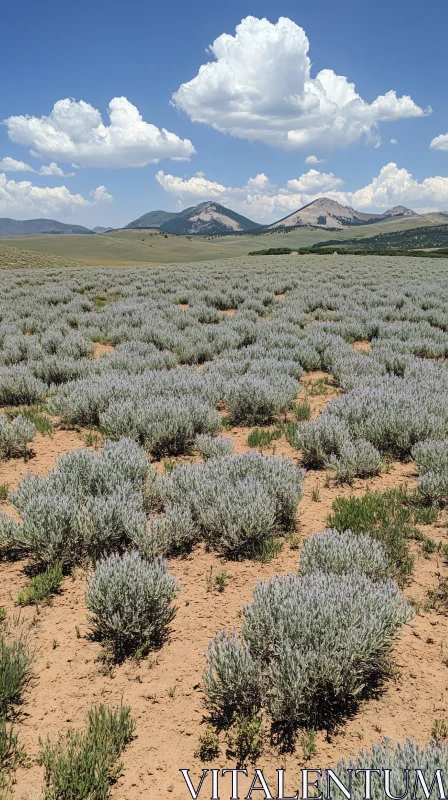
{"type": "Point", "coordinates": [129, 248]}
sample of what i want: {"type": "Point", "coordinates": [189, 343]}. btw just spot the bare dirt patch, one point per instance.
{"type": "Point", "coordinates": [102, 349]}
{"type": "Point", "coordinates": [363, 346]}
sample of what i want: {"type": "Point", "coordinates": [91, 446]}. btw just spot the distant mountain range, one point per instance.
{"type": "Point", "coordinates": [212, 219]}
{"type": "Point", "coordinates": [326, 213]}
{"type": "Point", "coordinates": [28, 227]}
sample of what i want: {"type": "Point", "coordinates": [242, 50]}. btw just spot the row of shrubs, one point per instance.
{"type": "Point", "coordinates": [92, 505]}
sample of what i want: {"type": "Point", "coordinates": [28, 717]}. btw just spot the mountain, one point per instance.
{"type": "Point", "coordinates": [153, 219]}
{"type": "Point", "coordinates": [208, 218]}
{"type": "Point", "coordinates": [100, 229]}
{"type": "Point", "coordinates": [28, 227]}
{"type": "Point", "coordinates": [326, 213]}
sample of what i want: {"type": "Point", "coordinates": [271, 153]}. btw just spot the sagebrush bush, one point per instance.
{"type": "Point", "coordinates": [321, 440]}
{"type": "Point", "coordinates": [82, 765]}
{"type": "Point", "coordinates": [18, 386]}
{"type": "Point", "coordinates": [89, 505]}
{"type": "Point", "coordinates": [356, 459]}
{"type": "Point", "coordinates": [252, 400]}
{"type": "Point", "coordinates": [401, 759]}
{"type": "Point", "coordinates": [213, 446]}
{"type": "Point", "coordinates": [171, 533]}
{"type": "Point", "coordinates": [322, 639]}
{"type": "Point", "coordinates": [236, 502]}
{"type": "Point", "coordinates": [232, 679]}
{"type": "Point", "coordinates": [131, 602]}
{"type": "Point", "coordinates": [15, 436]}
{"type": "Point", "coordinates": [431, 458]}
{"type": "Point", "coordinates": [344, 552]}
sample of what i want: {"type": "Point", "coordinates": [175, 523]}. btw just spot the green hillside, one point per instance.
{"type": "Point", "coordinates": [133, 247]}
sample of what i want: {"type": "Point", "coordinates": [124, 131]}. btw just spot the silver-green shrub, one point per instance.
{"type": "Point", "coordinates": [321, 640]}
{"type": "Point", "coordinates": [237, 502]}
{"type": "Point", "coordinates": [342, 553]}
{"type": "Point", "coordinates": [169, 534]}
{"type": "Point", "coordinates": [89, 504]}
{"type": "Point", "coordinates": [232, 678]}
{"type": "Point", "coordinates": [356, 459]}
{"type": "Point", "coordinates": [431, 458]}
{"type": "Point", "coordinates": [321, 440]}
{"type": "Point", "coordinates": [213, 446]}
{"type": "Point", "coordinates": [15, 435]}
{"type": "Point", "coordinates": [131, 602]}
{"type": "Point", "coordinates": [18, 386]}
{"type": "Point", "coordinates": [401, 759]}
{"type": "Point", "coordinates": [252, 400]}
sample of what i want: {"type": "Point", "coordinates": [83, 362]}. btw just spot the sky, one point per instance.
{"type": "Point", "coordinates": [111, 109]}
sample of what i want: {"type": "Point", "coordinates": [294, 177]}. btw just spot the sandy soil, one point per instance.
{"type": "Point", "coordinates": [101, 349]}
{"type": "Point", "coordinates": [164, 690]}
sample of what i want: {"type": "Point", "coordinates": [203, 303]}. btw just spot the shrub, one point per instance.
{"type": "Point", "coordinates": [399, 758]}
{"type": "Point", "coordinates": [237, 502]}
{"type": "Point", "coordinates": [321, 440]}
{"type": "Point", "coordinates": [15, 436]}
{"type": "Point", "coordinates": [356, 459]}
{"type": "Point", "coordinates": [212, 447]}
{"type": "Point", "coordinates": [232, 679]}
{"type": "Point", "coordinates": [14, 669]}
{"type": "Point", "coordinates": [167, 426]}
{"type": "Point", "coordinates": [344, 552]}
{"type": "Point", "coordinates": [82, 765]}
{"type": "Point", "coordinates": [89, 505]}
{"type": "Point", "coordinates": [169, 534]}
{"type": "Point", "coordinates": [388, 517]}
{"type": "Point", "coordinates": [431, 458]}
{"type": "Point", "coordinates": [42, 587]}
{"type": "Point", "coordinates": [252, 400]}
{"type": "Point", "coordinates": [321, 640]}
{"type": "Point", "coordinates": [131, 602]}
{"type": "Point", "coordinates": [18, 386]}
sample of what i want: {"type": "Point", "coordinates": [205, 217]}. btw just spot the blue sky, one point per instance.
{"type": "Point", "coordinates": [271, 109]}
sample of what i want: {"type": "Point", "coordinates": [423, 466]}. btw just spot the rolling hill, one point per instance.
{"type": "Point", "coordinates": [29, 227]}
{"type": "Point", "coordinates": [433, 236]}
{"type": "Point", "coordinates": [329, 214]}
{"type": "Point", "coordinates": [153, 219]}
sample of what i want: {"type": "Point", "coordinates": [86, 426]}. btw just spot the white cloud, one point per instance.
{"type": "Point", "coordinates": [263, 201]}
{"type": "Point", "coordinates": [23, 197]}
{"type": "Point", "coordinates": [393, 141]}
{"type": "Point", "coordinates": [314, 160]}
{"type": "Point", "coordinates": [394, 186]}
{"type": "Point", "coordinates": [101, 195]}
{"type": "Point", "coordinates": [74, 132]}
{"type": "Point", "coordinates": [9, 164]}
{"type": "Point", "coordinates": [440, 142]}
{"type": "Point", "coordinates": [260, 88]}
